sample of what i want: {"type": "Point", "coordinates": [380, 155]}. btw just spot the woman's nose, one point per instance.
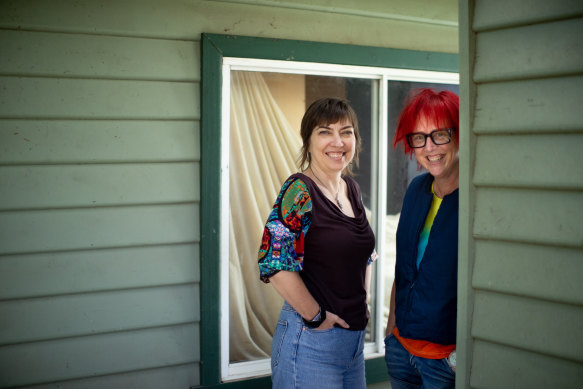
{"type": "Point", "coordinates": [338, 140]}
{"type": "Point", "coordinates": [429, 144]}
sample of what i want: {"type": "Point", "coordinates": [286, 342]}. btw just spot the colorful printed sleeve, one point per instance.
{"type": "Point", "coordinates": [282, 245]}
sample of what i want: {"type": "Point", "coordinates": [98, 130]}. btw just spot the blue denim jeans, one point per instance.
{"type": "Point", "coordinates": [304, 358]}
{"type": "Point", "coordinates": [407, 371]}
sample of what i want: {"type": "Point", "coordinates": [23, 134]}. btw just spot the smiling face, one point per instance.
{"type": "Point", "coordinates": [441, 161]}
{"type": "Point", "coordinates": [332, 146]}
{"type": "Point", "coordinates": [324, 119]}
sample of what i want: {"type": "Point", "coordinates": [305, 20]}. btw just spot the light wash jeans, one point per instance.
{"type": "Point", "coordinates": [407, 371]}
{"type": "Point", "coordinates": [304, 358]}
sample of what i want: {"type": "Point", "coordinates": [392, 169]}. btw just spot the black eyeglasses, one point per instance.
{"type": "Point", "coordinates": [417, 140]}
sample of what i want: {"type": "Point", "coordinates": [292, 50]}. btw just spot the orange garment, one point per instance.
{"type": "Point", "coordinates": [423, 348]}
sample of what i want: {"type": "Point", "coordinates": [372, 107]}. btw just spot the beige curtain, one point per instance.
{"type": "Point", "coordinates": [263, 151]}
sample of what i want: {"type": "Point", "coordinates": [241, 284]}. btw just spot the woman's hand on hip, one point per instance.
{"type": "Point", "coordinates": [331, 320]}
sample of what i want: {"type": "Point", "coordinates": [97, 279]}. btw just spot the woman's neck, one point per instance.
{"type": "Point", "coordinates": [331, 180]}
{"type": "Point", "coordinates": [442, 186]}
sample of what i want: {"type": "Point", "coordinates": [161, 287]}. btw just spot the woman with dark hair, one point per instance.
{"type": "Point", "coordinates": [421, 329]}
{"type": "Point", "coordinates": [316, 251]}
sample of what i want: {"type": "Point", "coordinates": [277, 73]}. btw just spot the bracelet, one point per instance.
{"type": "Point", "coordinates": [317, 320]}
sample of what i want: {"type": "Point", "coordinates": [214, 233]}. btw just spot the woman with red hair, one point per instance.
{"type": "Point", "coordinates": [421, 328]}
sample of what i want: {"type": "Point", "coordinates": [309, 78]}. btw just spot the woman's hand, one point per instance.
{"type": "Point", "coordinates": [331, 320]}
{"type": "Point", "coordinates": [291, 287]}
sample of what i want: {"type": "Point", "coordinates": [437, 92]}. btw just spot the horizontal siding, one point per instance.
{"type": "Point", "coordinates": [539, 50]}
{"type": "Point", "coordinates": [86, 56]}
{"type": "Point", "coordinates": [56, 186]}
{"type": "Point", "coordinates": [527, 303]}
{"type": "Point", "coordinates": [544, 272]}
{"type": "Point", "coordinates": [488, 15]}
{"type": "Point", "coordinates": [501, 367]}
{"type": "Point", "coordinates": [529, 324]}
{"type": "Point", "coordinates": [444, 13]}
{"type": "Point", "coordinates": [75, 229]}
{"type": "Point", "coordinates": [188, 20]}
{"type": "Point", "coordinates": [98, 141]}
{"type": "Point", "coordinates": [167, 377]}
{"type": "Point", "coordinates": [58, 273]}
{"type": "Point", "coordinates": [544, 105]}
{"type": "Point", "coordinates": [530, 161]}
{"type": "Point", "coordinates": [99, 223]}
{"type": "Point", "coordinates": [529, 216]}
{"type": "Point", "coordinates": [73, 358]}
{"type": "Point", "coordinates": [96, 313]}
{"type": "Point", "coordinates": [26, 97]}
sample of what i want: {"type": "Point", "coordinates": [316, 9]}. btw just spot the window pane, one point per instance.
{"type": "Point", "coordinates": [266, 111]}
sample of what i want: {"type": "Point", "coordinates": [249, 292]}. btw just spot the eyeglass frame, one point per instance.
{"type": "Point", "coordinates": [430, 135]}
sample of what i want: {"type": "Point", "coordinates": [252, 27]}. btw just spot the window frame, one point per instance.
{"type": "Point", "coordinates": [214, 48]}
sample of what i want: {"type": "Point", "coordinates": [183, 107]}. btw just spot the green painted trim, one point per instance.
{"type": "Point", "coordinates": [210, 219]}
{"type": "Point", "coordinates": [255, 383]}
{"type": "Point", "coordinates": [214, 48]}
{"type": "Point", "coordinates": [376, 370]}
{"type": "Point", "coordinates": [304, 51]}
{"type": "Point", "coordinates": [467, 196]}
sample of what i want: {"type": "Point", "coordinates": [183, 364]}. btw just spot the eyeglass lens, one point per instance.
{"type": "Point", "coordinates": [439, 137]}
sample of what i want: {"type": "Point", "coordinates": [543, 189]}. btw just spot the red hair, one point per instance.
{"type": "Point", "coordinates": [440, 107]}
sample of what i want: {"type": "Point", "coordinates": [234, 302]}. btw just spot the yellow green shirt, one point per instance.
{"type": "Point", "coordinates": [424, 236]}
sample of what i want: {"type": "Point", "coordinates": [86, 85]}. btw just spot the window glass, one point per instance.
{"type": "Point", "coordinates": [261, 124]}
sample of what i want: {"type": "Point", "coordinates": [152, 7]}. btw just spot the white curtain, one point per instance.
{"type": "Point", "coordinates": [264, 148]}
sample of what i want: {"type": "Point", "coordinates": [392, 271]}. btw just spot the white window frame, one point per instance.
{"type": "Point", "coordinates": [258, 368]}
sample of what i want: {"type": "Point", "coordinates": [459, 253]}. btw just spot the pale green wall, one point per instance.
{"type": "Point", "coordinates": [521, 229]}
{"type": "Point", "coordinates": [99, 173]}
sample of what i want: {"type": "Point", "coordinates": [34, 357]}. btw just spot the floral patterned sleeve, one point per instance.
{"type": "Point", "coordinates": [282, 245]}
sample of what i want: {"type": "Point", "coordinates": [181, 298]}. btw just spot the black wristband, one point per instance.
{"type": "Point", "coordinates": [317, 321]}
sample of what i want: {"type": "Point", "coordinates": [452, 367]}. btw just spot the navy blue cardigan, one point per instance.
{"type": "Point", "coordinates": [426, 299]}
